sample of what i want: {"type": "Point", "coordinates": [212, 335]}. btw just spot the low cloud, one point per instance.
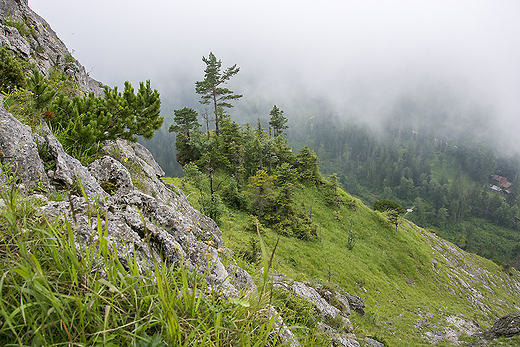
{"type": "Point", "coordinates": [360, 57]}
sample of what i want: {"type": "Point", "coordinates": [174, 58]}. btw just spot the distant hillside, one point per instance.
{"type": "Point", "coordinates": [444, 177]}
{"type": "Point", "coordinates": [418, 288]}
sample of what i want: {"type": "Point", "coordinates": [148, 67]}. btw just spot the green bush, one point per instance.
{"type": "Point", "coordinates": [294, 309]}
{"type": "Point", "coordinates": [251, 252]}
{"type": "Point", "coordinates": [92, 119]}
{"type": "Point", "coordinates": [386, 205]}
{"type": "Point", "coordinates": [12, 75]}
{"type": "Point", "coordinates": [20, 25]}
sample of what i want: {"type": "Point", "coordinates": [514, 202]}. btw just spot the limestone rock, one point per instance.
{"type": "Point", "coordinates": [109, 170]}
{"type": "Point", "coordinates": [20, 151]}
{"type": "Point", "coordinates": [345, 307]}
{"type": "Point", "coordinates": [240, 278]}
{"type": "Point", "coordinates": [286, 335]}
{"type": "Point", "coordinates": [338, 339]}
{"type": "Point", "coordinates": [144, 154]}
{"type": "Point", "coordinates": [507, 326]}
{"type": "Point", "coordinates": [168, 202]}
{"type": "Point", "coordinates": [346, 341]}
{"type": "Point", "coordinates": [313, 296]}
{"type": "Point", "coordinates": [42, 46]}
{"type": "Point", "coordinates": [373, 343]}
{"type": "Point", "coordinates": [356, 303]}
{"type": "Point", "coordinates": [70, 171]}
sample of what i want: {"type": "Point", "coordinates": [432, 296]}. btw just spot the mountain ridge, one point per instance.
{"type": "Point", "coordinates": [487, 290]}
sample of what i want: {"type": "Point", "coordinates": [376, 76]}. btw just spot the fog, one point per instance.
{"type": "Point", "coordinates": [357, 56]}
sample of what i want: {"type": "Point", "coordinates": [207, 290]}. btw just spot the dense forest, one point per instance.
{"type": "Point", "coordinates": [415, 155]}
{"type": "Point", "coordinates": [444, 180]}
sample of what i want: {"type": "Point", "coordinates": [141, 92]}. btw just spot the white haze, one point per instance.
{"type": "Point", "coordinates": [359, 56]}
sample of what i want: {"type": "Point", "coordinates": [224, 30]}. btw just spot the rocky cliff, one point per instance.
{"type": "Point", "coordinates": [148, 219]}
{"type": "Point", "coordinates": [29, 35]}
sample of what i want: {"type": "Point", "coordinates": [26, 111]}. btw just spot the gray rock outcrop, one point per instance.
{"type": "Point", "coordinates": [147, 226]}
{"type": "Point", "coordinates": [241, 279]}
{"type": "Point", "coordinates": [20, 151]}
{"type": "Point", "coordinates": [506, 326]}
{"type": "Point", "coordinates": [69, 170]}
{"type": "Point", "coordinates": [286, 335]}
{"type": "Point", "coordinates": [345, 306]}
{"type": "Point", "coordinates": [40, 44]}
{"type": "Point", "coordinates": [108, 170]}
{"type": "Point", "coordinates": [320, 303]}
{"type": "Point", "coordinates": [356, 303]}
{"type": "Point", "coordinates": [338, 339]}
{"type": "Point", "coordinates": [313, 296]}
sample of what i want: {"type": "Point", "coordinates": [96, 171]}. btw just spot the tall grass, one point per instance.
{"type": "Point", "coordinates": [51, 294]}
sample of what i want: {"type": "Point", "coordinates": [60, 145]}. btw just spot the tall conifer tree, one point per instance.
{"type": "Point", "coordinates": [211, 90]}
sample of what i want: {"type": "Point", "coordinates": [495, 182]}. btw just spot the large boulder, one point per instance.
{"type": "Point", "coordinates": [111, 174]}
{"type": "Point", "coordinates": [19, 151]}
{"type": "Point", "coordinates": [507, 326]}
{"type": "Point", "coordinates": [165, 202]}
{"type": "Point", "coordinates": [69, 171]}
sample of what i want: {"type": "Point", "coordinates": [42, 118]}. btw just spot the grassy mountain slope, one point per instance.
{"type": "Point", "coordinates": [414, 283]}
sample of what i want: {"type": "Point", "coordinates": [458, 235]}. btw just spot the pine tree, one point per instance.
{"type": "Point", "coordinates": [393, 217]}
{"type": "Point", "coordinates": [277, 121]}
{"type": "Point", "coordinates": [41, 91]}
{"type": "Point", "coordinates": [85, 122]}
{"type": "Point", "coordinates": [185, 126]}
{"type": "Point", "coordinates": [308, 165]}
{"type": "Point", "coordinates": [210, 88]}
{"type": "Point", "coordinates": [261, 188]}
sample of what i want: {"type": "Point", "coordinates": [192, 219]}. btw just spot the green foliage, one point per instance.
{"type": "Point", "coordinates": [294, 309]}
{"type": "Point", "coordinates": [392, 272]}
{"type": "Point", "coordinates": [186, 124]}
{"type": "Point", "coordinates": [185, 121]}
{"type": "Point", "coordinates": [250, 168]}
{"type": "Point", "coordinates": [232, 195]}
{"type": "Point", "coordinates": [210, 88]}
{"type": "Point", "coordinates": [109, 187]}
{"type": "Point", "coordinates": [69, 58]}
{"type": "Point", "coordinates": [48, 159]}
{"type": "Point", "coordinates": [41, 90]}
{"type": "Point", "coordinates": [277, 121]}
{"type": "Point", "coordinates": [387, 205]}
{"type": "Point", "coordinates": [410, 160]}
{"type": "Point", "coordinates": [299, 226]}
{"type": "Point", "coordinates": [82, 123]}
{"type": "Point", "coordinates": [261, 189]}
{"type": "Point", "coordinates": [211, 204]}
{"type": "Point", "coordinates": [53, 295]}
{"type": "Point", "coordinates": [332, 189]}
{"type": "Point", "coordinates": [23, 28]}
{"type": "Point", "coordinates": [307, 164]}
{"type": "Point", "coordinates": [393, 217]}
{"type": "Point", "coordinates": [286, 174]}
{"type": "Point", "coordinates": [253, 225]}
{"type": "Point", "coordinates": [251, 251]}
{"type": "Point", "coordinates": [12, 75]}
{"type": "Point", "coordinates": [351, 240]}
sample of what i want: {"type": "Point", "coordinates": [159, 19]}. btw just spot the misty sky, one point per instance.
{"type": "Point", "coordinates": [357, 54]}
